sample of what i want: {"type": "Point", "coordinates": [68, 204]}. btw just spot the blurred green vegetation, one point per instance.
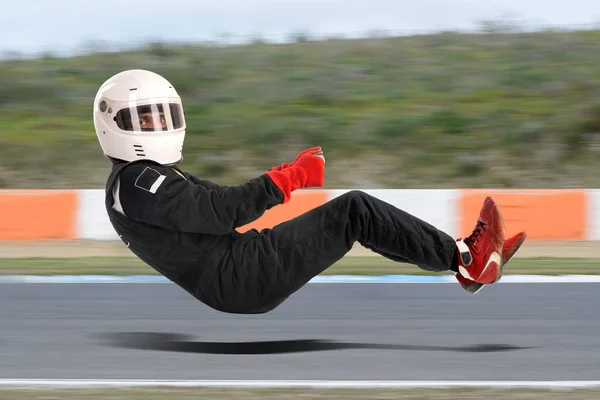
{"type": "Point", "coordinates": [444, 110]}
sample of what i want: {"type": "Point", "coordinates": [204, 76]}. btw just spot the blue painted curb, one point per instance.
{"type": "Point", "coordinates": [382, 279]}
{"type": "Point", "coordinates": [83, 279]}
{"type": "Point", "coordinates": [161, 279]}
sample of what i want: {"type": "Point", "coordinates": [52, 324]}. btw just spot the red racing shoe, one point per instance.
{"type": "Point", "coordinates": [511, 245]}
{"type": "Point", "coordinates": [480, 254]}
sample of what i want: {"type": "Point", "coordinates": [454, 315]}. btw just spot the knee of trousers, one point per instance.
{"type": "Point", "coordinates": [354, 197]}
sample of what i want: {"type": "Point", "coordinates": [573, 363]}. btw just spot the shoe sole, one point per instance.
{"type": "Point", "coordinates": [517, 247]}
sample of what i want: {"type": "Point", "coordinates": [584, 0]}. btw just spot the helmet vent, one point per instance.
{"type": "Point", "coordinates": [139, 150]}
{"type": "Point", "coordinates": [132, 89]}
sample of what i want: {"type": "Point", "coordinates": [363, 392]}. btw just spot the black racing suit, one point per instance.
{"type": "Point", "coordinates": [185, 228]}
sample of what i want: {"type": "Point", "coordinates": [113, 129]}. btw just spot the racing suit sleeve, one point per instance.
{"type": "Point", "coordinates": [160, 196]}
{"type": "Point", "coordinates": [206, 183]}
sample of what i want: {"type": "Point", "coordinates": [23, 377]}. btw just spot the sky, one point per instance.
{"type": "Point", "coordinates": [34, 26]}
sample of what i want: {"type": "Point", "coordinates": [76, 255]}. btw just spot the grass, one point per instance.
{"type": "Point", "coordinates": [443, 110]}
{"type": "Point", "coordinates": [348, 265]}
{"type": "Point", "coordinates": [289, 394]}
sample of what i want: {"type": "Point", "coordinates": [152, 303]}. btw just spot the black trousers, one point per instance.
{"type": "Point", "coordinates": [264, 268]}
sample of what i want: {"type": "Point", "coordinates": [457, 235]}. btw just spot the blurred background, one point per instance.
{"type": "Point", "coordinates": [435, 94]}
{"type": "Point", "coordinates": [466, 97]}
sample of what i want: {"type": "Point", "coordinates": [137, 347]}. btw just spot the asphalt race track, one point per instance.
{"type": "Point", "coordinates": [325, 331]}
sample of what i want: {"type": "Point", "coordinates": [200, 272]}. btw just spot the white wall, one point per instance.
{"type": "Point", "coordinates": [92, 219]}
{"type": "Point", "coordinates": [593, 214]}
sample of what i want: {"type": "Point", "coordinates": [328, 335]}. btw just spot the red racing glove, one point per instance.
{"type": "Point", "coordinates": [287, 165]}
{"type": "Point", "coordinates": [307, 170]}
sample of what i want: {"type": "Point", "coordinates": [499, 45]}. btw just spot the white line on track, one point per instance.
{"type": "Point", "coordinates": [95, 383]}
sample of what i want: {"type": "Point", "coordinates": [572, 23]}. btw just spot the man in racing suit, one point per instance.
{"type": "Point", "coordinates": [185, 227]}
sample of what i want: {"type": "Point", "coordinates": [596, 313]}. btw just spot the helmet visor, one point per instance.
{"type": "Point", "coordinates": [150, 118]}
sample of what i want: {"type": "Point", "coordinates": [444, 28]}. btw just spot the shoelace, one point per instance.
{"type": "Point", "coordinates": [476, 234]}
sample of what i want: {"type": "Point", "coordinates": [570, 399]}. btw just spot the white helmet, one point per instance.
{"type": "Point", "coordinates": [138, 115]}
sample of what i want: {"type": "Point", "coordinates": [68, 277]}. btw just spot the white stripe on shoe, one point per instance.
{"type": "Point", "coordinates": [495, 258]}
